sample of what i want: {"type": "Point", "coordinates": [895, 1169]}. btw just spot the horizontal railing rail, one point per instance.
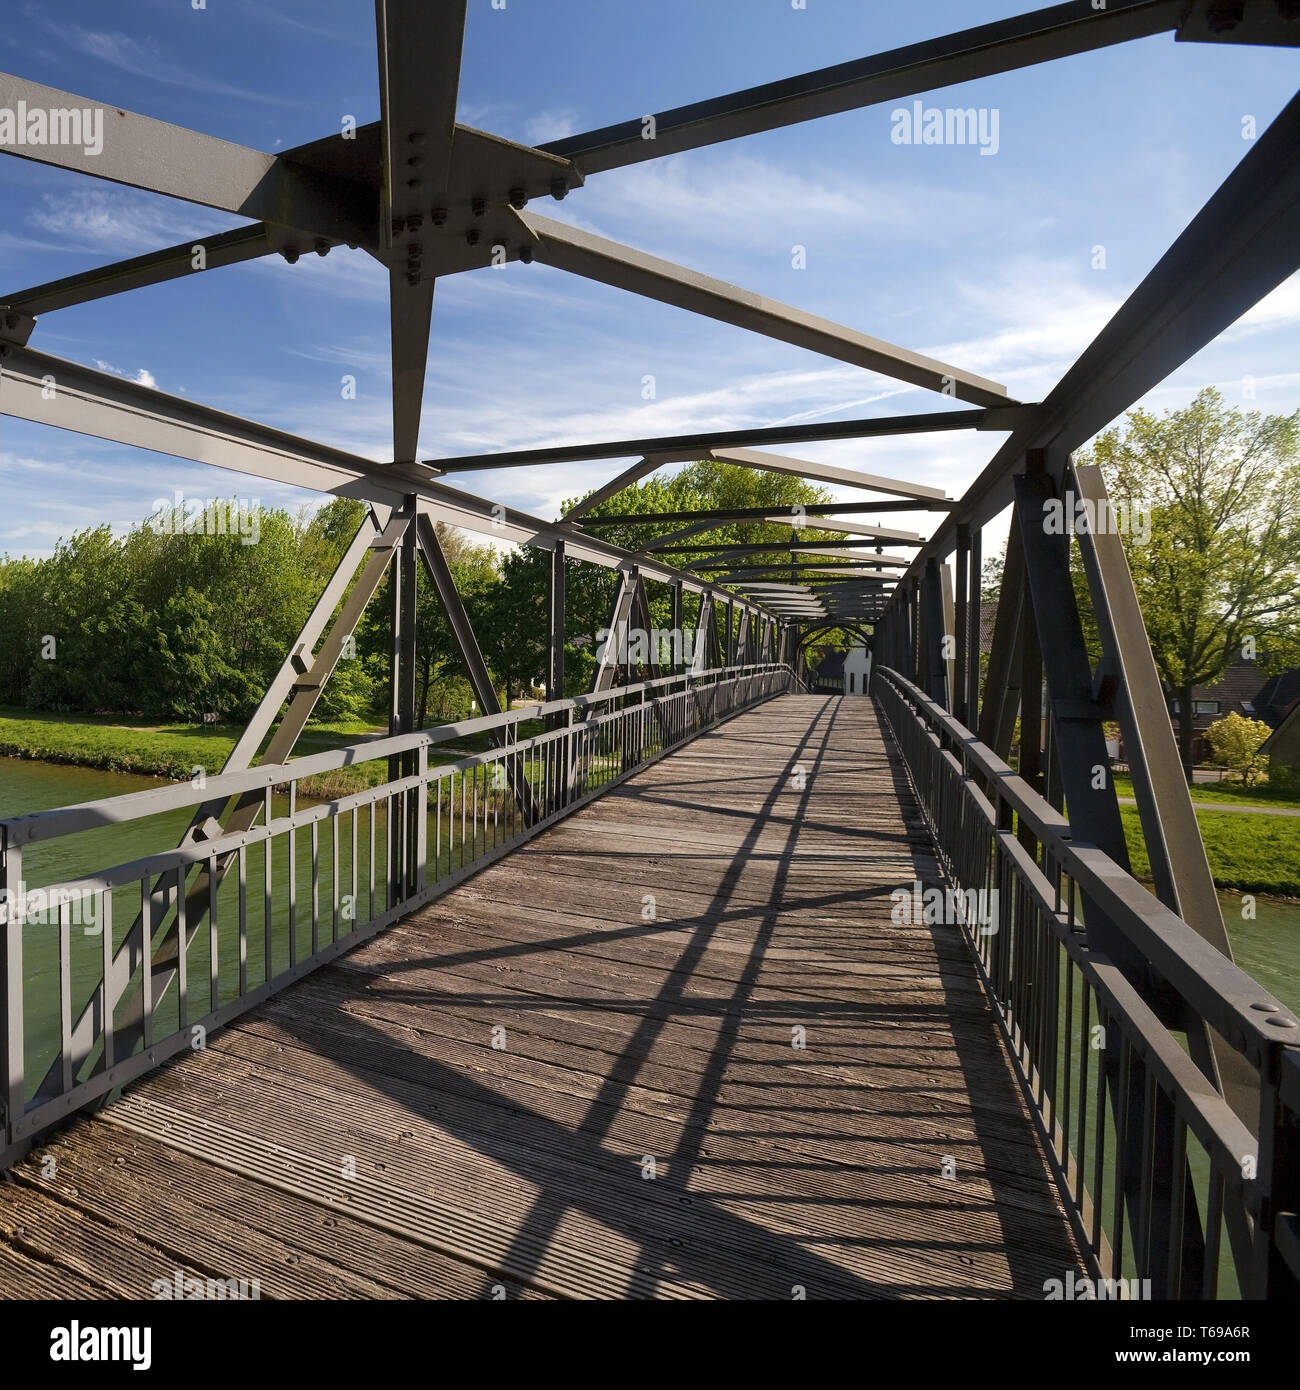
{"type": "Point", "coordinates": [231, 917]}
{"type": "Point", "coordinates": [1153, 1164]}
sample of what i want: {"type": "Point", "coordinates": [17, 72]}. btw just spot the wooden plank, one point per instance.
{"type": "Point", "coordinates": [520, 1166]}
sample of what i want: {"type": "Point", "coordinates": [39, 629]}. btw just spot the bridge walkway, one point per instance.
{"type": "Point", "coordinates": [674, 1047]}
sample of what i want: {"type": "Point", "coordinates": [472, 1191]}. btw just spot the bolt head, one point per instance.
{"type": "Point", "coordinates": [291, 254]}
{"type": "Point", "coordinates": [518, 197]}
{"type": "Point", "coordinates": [559, 188]}
{"type": "Point", "coordinates": [439, 217]}
{"type": "Point", "coordinates": [472, 236]}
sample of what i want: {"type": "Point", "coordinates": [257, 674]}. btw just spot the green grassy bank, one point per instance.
{"type": "Point", "coordinates": [172, 751]}
{"type": "Point", "coordinates": [1247, 854]}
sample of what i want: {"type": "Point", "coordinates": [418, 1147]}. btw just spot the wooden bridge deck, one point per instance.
{"type": "Point", "coordinates": [648, 961]}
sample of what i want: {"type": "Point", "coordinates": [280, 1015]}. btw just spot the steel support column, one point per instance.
{"type": "Point", "coordinates": [556, 626]}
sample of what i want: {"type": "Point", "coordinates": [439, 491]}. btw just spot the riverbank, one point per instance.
{"type": "Point", "coordinates": [173, 752]}
{"type": "Point", "coordinates": [1247, 854]}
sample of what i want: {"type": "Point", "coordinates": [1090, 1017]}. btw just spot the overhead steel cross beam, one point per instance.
{"type": "Point", "coordinates": [728, 555]}
{"type": "Point", "coordinates": [53, 391]}
{"type": "Point", "coordinates": [785, 515]}
{"type": "Point", "coordinates": [650, 464]}
{"type": "Point", "coordinates": [850, 528]}
{"type": "Point", "coordinates": [420, 44]}
{"type": "Point", "coordinates": [860, 549]}
{"type": "Point", "coordinates": [610, 262]}
{"type": "Point", "coordinates": [458, 230]}
{"type": "Point", "coordinates": [1243, 243]}
{"type": "Point", "coordinates": [161, 158]}
{"type": "Point", "coordinates": [173, 263]}
{"type": "Point", "coordinates": [761, 462]}
{"type": "Point", "coordinates": [1039, 37]}
{"type": "Point", "coordinates": [825, 473]}
{"type": "Point", "coordinates": [692, 446]}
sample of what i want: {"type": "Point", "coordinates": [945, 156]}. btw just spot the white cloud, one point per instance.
{"type": "Point", "coordinates": [144, 58]}
{"type": "Point", "coordinates": [142, 375]}
{"type": "Point", "coordinates": [549, 125]}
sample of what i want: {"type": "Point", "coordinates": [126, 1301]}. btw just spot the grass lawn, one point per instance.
{"type": "Point", "coordinates": [1248, 854]}
{"type": "Point", "coordinates": [118, 743]}
{"type": "Point", "coordinates": [1232, 792]}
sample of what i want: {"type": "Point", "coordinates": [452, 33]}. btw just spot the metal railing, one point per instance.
{"type": "Point", "coordinates": [232, 918]}
{"type": "Point", "coordinates": [1154, 1166]}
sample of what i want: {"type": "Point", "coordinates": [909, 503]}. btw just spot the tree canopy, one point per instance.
{"type": "Point", "coordinates": [178, 623]}
{"type": "Point", "coordinates": [1218, 575]}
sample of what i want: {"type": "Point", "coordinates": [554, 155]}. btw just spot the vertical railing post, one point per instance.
{"type": "Point", "coordinates": [12, 902]}
{"type": "Point", "coordinates": [556, 633]}
{"type": "Point", "coordinates": [1277, 1172]}
{"type": "Point", "coordinates": [421, 799]}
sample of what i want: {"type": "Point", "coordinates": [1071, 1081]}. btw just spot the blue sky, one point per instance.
{"type": "Point", "coordinates": [983, 261]}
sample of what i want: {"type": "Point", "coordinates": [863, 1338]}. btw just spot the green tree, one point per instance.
{"type": "Point", "coordinates": [518, 620]}
{"type": "Point", "coordinates": [1218, 577]}
{"type": "Point", "coordinates": [1236, 743]}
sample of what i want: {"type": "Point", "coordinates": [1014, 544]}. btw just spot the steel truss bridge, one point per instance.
{"type": "Point", "coordinates": [434, 1036]}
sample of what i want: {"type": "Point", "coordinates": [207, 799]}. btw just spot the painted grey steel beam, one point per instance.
{"type": "Point", "coordinates": [612, 650]}
{"type": "Point", "coordinates": [555, 628]}
{"type": "Point", "coordinates": [611, 263]}
{"type": "Point", "coordinates": [53, 391]}
{"type": "Point", "coordinates": [479, 162]}
{"type": "Point", "coordinates": [854, 549]}
{"type": "Point", "coordinates": [725, 515]}
{"type": "Point", "coordinates": [410, 322]}
{"type": "Point", "coordinates": [754, 572]}
{"type": "Point", "coordinates": [885, 566]}
{"type": "Point", "coordinates": [174, 263]}
{"type": "Point", "coordinates": [853, 528]}
{"type": "Point", "coordinates": [626, 478]}
{"type": "Point", "coordinates": [726, 563]}
{"type": "Point", "coordinates": [826, 473]}
{"type": "Point", "coordinates": [1179, 866]}
{"type": "Point", "coordinates": [419, 47]}
{"type": "Point", "coordinates": [1003, 46]}
{"type": "Point", "coordinates": [305, 691]}
{"type": "Point", "coordinates": [161, 158]}
{"type": "Point", "coordinates": [1243, 243]}
{"type": "Point", "coordinates": [697, 445]}
{"type": "Point", "coordinates": [1214, 21]}
{"type": "Point", "coordinates": [105, 406]}
{"type": "Point", "coordinates": [661, 543]}
{"type": "Point", "coordinates": [868, 559]}
{"type": "Point", "coordinates": [480, 679]}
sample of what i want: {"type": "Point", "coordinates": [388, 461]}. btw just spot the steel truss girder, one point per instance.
{"type": "Point", "coordinates": [105, 406]}
{"type": "Point", "coordinates": [162, 158]}
{"type": "Point", "coordinates": [1170, 830]}
{"type": "Point", "coordinates": [723, 515]}
{"type": "Point", "coordinates": [1021, 41]}
{"type": "Point", "coordinates": [826, 473]}
{"type": "Point", "coordinates": [1242, 244]}
{"type": "Point", "coordinates": [419, 76]}
{"type": "Point", "coordinates": [691, 446]}
{"type": "Point", "coordinates": [597, 258]}
{"type": "Point", "coordinates": [1077, 716]}
{"type": "Point", "coordinates": [376, 546]}
{"type": "Point", "coordinates": [173, 263]}
{"type": "Point", "coordinates": [480, 679]}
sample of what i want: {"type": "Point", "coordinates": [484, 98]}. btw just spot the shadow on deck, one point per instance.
{"type": "Point", "coordinates": [672, 1047]}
